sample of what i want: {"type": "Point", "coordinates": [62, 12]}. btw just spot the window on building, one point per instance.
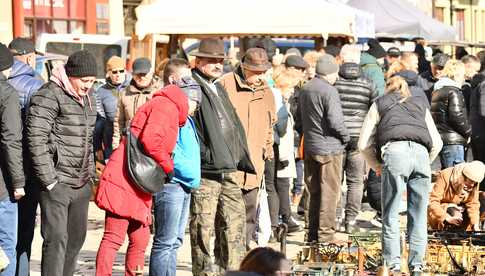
{"type": "Point", "coordinates": [460, 23]}
{"type": "Point", "coordinates": [439, 14]}
{"type": "Point", "coordinates": [102, 18]}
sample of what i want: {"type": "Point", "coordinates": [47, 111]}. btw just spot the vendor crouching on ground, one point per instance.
{"type": "Point", "coordinates": [454, 203]}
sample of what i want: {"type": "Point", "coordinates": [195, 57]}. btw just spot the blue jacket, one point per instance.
{"type": "Point", "coordinates": [186, 157]}
{"type": "Point", "coordinates": [373, 71]}
{"type": "Point", "coordinates": [107, 98]}
{"type": "Point", "coordinates": [25, 81]}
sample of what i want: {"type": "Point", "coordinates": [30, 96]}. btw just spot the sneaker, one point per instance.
{"type": "Point", "coordinates": [377, 221]}
{"type": "Point", "coordinates": [351, 228]}
{"type": "Point", "coordinates": [293, 225]}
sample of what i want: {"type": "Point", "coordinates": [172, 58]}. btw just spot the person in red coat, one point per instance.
{"type": "Point", "coordinates": [128, 209]}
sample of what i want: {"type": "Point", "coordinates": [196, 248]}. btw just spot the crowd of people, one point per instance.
{"type": "Point", "coordinates": [295, 127]}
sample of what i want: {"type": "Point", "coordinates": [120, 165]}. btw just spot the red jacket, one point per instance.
{"type": "Point", "coordinates": [156, 125]}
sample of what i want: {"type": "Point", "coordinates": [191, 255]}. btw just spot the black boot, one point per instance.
{"type": "Point", "coordinates": [293, 226]}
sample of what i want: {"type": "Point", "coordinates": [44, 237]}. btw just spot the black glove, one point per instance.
{"type": "Point", "coordinates": [282, 164]}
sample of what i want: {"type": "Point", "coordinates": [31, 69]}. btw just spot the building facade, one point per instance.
{"type": "Point", "coordinates": [33, 17]}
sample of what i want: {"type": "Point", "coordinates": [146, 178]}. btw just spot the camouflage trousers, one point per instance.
{"type": "Point", "coordinates": [217, 209]}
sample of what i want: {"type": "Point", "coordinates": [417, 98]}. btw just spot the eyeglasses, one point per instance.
{"type": "Point", "coordinates": [118, 71]}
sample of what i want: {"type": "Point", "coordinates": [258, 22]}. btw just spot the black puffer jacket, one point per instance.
{"type": "Point", "coordinates": [11, 170]}
{"type": "Point", "coordinates": [60, 137]}
{"type": "Point", "coordinates": [357, 93]}
{"type": "Point", "coordinates": [449, 113]}
{"type": "Point", "coordinates": [412, 79]}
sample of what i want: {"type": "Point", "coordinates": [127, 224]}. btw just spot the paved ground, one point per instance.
{"type": "Point", "coordinates": [86, 263]}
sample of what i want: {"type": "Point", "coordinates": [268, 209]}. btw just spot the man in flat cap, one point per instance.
{"type": "Point", "coordinates": [217, 206]}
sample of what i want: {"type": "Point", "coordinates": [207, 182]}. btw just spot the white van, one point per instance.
{"type": "Point", "coordinates": [101, 46]}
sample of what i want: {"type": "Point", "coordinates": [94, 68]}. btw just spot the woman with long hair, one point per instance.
{"type": "Point", "coordinates": [399, 140]}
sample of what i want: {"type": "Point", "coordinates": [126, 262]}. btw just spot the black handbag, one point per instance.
{"type": "Point", "coordinates": [145, 172]}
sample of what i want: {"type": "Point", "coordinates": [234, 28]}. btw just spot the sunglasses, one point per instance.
{"type": "Point", "coordinates": [118, 72]}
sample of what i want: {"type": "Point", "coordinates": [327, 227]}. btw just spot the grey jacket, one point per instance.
{"type": "Point", "coordinates": [11, 165]}
{"type": "Point", "coordinates": [320, 119]}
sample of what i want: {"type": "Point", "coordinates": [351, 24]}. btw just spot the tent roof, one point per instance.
{"type": "Point", "coordinates": [397, 18]}
{"type": "Point", "coordinates": [364, 21]}
{"type": "Point", "coordinates": [239, 17]}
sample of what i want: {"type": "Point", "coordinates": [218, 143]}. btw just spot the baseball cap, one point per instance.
{"type": "Point", "coordinates": [21, 46]}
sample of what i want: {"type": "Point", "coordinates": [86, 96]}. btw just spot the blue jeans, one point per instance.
{"type": "Point", "coordinates": [406, 166]}
{"type": "Point", "coordinates": [8, 233]}
{"type": "Point", "coordinates": [172, 206]}
{"type": "Point", "coordinates": [451, 155]}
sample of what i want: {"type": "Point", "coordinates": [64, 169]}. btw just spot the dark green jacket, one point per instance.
{"type": "Point", "coordinates": [373, 71]}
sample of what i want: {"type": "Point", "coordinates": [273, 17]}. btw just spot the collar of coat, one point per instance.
{"type": "Point", "coordinates": [243, 85]}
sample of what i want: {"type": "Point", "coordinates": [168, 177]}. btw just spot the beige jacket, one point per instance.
{"type": "Point", "coordinates": [256, 110]}
{"type": "Point", "coordinates": [129, 101]}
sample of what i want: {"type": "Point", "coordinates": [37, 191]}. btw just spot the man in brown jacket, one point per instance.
{"type": "Point", "coordinates": [254, 103]}
{"type": "Point", "coordinates": [140, 90]}
{"type": "Point", "coordinates": [454, 203]}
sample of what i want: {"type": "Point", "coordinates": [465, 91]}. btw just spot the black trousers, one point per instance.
{"type": "Point", "coordinates": [251, 201]}
{"type": "Point", "coordinates": [64, 212]}
{"type": "Point", "coordinates": [27, 212]}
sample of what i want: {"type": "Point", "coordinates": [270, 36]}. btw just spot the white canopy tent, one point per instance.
{"type": "Point", "coordinates": [397, 18]}
{"type": "Point", "coordinates": [364, 21]}
{"type": "Point", "coordinates": [240, 17]}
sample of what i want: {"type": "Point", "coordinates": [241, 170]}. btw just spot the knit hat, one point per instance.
{"type": "Point", "coordinates": [6, 57]}
{"type": "Point", "coordinates": [81, 64]}
{"type": "Point", "coordinates": [326, 65]}
{"type": "Point", "coordinates": [350, 53]}
{"type": "Point", "coordinates": [375, 49]}
{"type": "Point", "coordinates": [474, 170]}
{"type": "Point", "coordinates": [191, 88]}
{"type": "Point", "coordinates": [115, 62]}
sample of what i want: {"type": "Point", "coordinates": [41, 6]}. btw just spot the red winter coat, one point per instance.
{"type": "Point", "coordinates": [156, 125]}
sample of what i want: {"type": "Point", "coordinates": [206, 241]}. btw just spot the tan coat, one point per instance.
{"type": "Point", "coordinates": [129, 101]}
{"type": "Point", "coordinates": [448, 189]}
{"type": "Point", "coordinates": [256, 110]}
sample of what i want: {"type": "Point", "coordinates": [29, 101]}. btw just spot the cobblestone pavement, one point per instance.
{"type": "Point", "coordinates": [87, 258]}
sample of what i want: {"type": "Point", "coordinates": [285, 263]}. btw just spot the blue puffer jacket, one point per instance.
{"type": "Point", "coordinates": [186, 157]}
{"type": "Point", "coordinates": [25, 81]}
{"type": "Point", "coordinates": [373, 71]}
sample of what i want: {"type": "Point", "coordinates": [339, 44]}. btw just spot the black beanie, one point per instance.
{"type": "Point", "coordinates": [81, 64]}
{"type": "Point", "coordinates": [6, 57]}
{"type": "Point", "coordinates": [375, 49]}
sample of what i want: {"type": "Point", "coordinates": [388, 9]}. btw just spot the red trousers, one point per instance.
{"type": "Point", "coordinates": [115, 231]}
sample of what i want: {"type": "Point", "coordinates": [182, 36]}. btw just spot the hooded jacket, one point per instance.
{"type": "Point", "coordinates": [129, 101]}
{"type": "Point", "coordinates": [156, 125]}
{"type": "Point", "coordinates": [449, 112]}
{"type": "Point", "coordinates": [448, 189]}
{"type": "Point", "coordinates": [412, 79]}
{"type": "Point", "coordinates": [11, 169]}
{"type": "Point", "coordinates": [59, 129]}
{"type": "Point", "coordinates": [24, 80]}
{"type": "Point", "coordinates": [373, 71]}
{"type": "Point", "coordinates": [357, 93]}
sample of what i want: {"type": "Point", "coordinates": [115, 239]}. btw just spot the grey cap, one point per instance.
{"type": "Point", "coordinates": [440, 59]}
{"type": "Point", "coordinates": [141, 66]}
{"type": "Point", "coordinates": [293, 51]}
{"type": "Point", "coordinates": [326, 65]}
{"type": "Point", "coordinates": [296, 61]}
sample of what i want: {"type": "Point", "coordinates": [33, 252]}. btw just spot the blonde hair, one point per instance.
{"type": "Point", "coordinates": [398, 85]}
{"type": "Point", "coordinates": [311, 57]}
{"type": "Point", "coordinates": [451, 68]}
{"type": "Point", "coordinates": [285, 79]}
{"type": "Point", "coordinates": [395, 67]}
